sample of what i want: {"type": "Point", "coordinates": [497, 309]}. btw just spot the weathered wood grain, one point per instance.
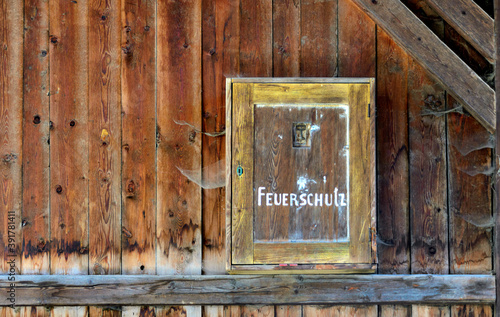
{"type": "Point", "coordinates": [228, 171]}
{"type": "Point", "coordinates": [69, 141]}
{"type": "Point", "coordinates": [220, 59]}
{"type": "Point", "coordinates": [289, 311]}
{"type": "Point", "coordinates": [475, 25]}
{"type": "Point", "coordinates": [469, 54]}
{"type": "Point", "coordinates": [33, 311]}
{"type": "Point", "coordinates": [179, 98]}
{"type": "Point", "coordinates": [35, 248]}
{"type": "Point", "coordinates": [286, 38]}
{"type": "Point", "coordinates": [430, 311]}
{"type": "Point", "coordinates": [362, 171]}
{"type": "Point", "coordinates": [105, 137]}
{"type": "Point", "coordinates": [67, 311]}
{"type": "Point", "coordinates": [11, 129]}
{"type": "Point", "coordinates": [392, 157]}
{"type": "Point", "coordinates": [394, 311]}
{"type": "Point", "coordinates": [428, 179]}
{"type": "Point", "coordinates": [141, 311]}
{"type": "Point", "coordinates": [338, 311]}
{"type": "Point", "coordinates": [177, 311]}
{"type": "Point", "coordinates": [318, 37]}
{"type": "Point", "coordinates": [242, 156]}
{"type": "Point", "coordinates": [98, 311]}
{"type": "Point", "coordinates": [213, 311]}
{"type": "Point", "coordinates": [138, 70]}
{"type": "Point", "coordinates": [280, 253]}
{"type": "Point", "coordinates": [250, 289]}
{"type": "Point", "coordinates": [250, 311]}
{"type": "Point", "coordinates": [435, 57]}
{"type": "Point", "coordinates": [496, 209]}
{"type": "Point", "coordinates": [256, 55]}
{"type": "Point", "coordinates": [470, 194]}
{"type": "Point", "coordinates": [471, 311]}
{"type": "Point", "coordinates": [357, 56]}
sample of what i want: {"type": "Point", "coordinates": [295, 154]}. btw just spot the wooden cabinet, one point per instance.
{"type": "Point", "coordinates": [301, 175]}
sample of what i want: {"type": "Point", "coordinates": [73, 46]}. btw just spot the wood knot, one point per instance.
{"type": "Point", "coordinates": [72, 123]}
{"type": "Point", "coordinates": [146, 28]}
{"type": "Point", "coordinates": [54, 39]}
{"type": "Point", "coordinates": [432, 250]}
{"type": "Point", "coordinates": [36, 119]}
{"type": "Point", "coordinates": [43, 53]}
{"type": "Point", "coordinates": [59, 189]}
{"type": "Point", "coordinates": [9, 158]}
{"type": "Point", "coordinates": [192, 136]}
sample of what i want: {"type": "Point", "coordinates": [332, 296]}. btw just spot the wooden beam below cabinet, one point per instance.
{"type": "Point", "coordinates": [60, 290]}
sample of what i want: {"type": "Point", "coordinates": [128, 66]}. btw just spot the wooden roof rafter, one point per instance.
{"type": "Point", "coordinates": [435, 56]}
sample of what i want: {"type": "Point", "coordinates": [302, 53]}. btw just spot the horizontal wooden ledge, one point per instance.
{"type": "Point", "coordinates": [304, 80]}
{"type": "Point", "coordinates": [248, 289]}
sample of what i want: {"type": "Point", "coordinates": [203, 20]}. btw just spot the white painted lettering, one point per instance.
{"type": "Point", "coordinates": [285, 199]}
{"type": "Point", "coordinates": [261, 189]}
{"type": "Point", "coordinates": [328, 203]}
{"type": "Point", "coordinates": [293, 198]}
{"type": "Point", "coordinates": [269, 197]}
{"type": "Point", "coordinates": [309, 199]}
{"type": "Point", "coordinates": [303, 200]}
{"type": "Point", "coordinates": [318, 200]}
{"type": "Point", "coordinates": [276, 201]}
{"type": "Point", "coordinates": [336, 201]}
{"type": "Point", "coordinates": [342, 200]}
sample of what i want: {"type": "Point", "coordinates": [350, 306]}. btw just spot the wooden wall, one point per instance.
{"type": "Point", "coordinates": [89, 148]}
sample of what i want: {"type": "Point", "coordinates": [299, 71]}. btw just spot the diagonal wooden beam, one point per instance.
{"type": "Point", "coordinates": [437, 58]}
{"type": "Point", "coordinates": [475, 25]}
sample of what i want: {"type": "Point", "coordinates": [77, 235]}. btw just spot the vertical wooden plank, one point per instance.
{"type": "Point", "coordinates": [177, 311]}
{"type": "Point", "coordinates": [11, 107]}
{"type": "Point", "coordinates": [250, 311]}
{"type": "Point", "coordinates": [428, 196]}
{"type": "Point", "coordinates": [242, 156]}
{"type": "Point", "coordinates": [67, 311]}
{"type": "Point", "coordinates": [35, 147]}
{"type": "Point", "coordinates": [213, 311]}
{"type": "Point", "coordinates": [357, 54]}
{"type": "Point", "coordinates": [138, 137]}
{"type": "Point", "coordinates": [220, 59]}
{"type": "Point", "coordinates": [318, 38]}
{"type": "Point", "coordinates": [496, 209]}
{"type": "Point", "coordinates": [429, 311]}
{"type": "Point", "coordinates": [138, 311]}
{"type": "Point", "coordinates": [179, 98]}
{"type": "Point", "coordinates": [69, 158]}
{"type": "Point", "coordinates": [105, 137]}
{"type": "Point", "coordinates": [256, 38]}
{"type": "Point", "coordinates": [34, 311]}
{"type": "Point", "coordinates": [289, 311]}
{"type": "Point", "coordinates": [470, 194]}
{"type": "Point", "coordinates": [392, 157]}
{"type": "Point", "coordinates": [471, 311]}
{"type": "Point", "coordinates": [286, 38]}
{"type": "Point", "coordinates": [95, 311]}
{"type": "Point", "coordinates": [392, 163]}
{"type": "Point", "coordinates": [394, 311]}
{"type": "Point", "coordinates": [338, 311]}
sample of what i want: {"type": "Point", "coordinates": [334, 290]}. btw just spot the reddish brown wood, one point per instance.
{"type": "Point", "coordinates": [471, 311]}
{"type": "Point", "coordinates": [256, 38]}
{"type": "Point", "coordinates": [220, 59]}
{"type": "Point", "coordinates": [69, 159]}
{"type": "Point", "coordinates": [36, 242]}
{"type": "Point", "coordinates": [179, 98]}
{"type": "Point", "coordinates": [357, 54]}
{"type": "Point", "coordinates": [470, 194]}
{"type": "Point", "coordinates": [250, 311]}
{"type": "Point", "coordinates": [105, 137]}
{"type": "Point", "coordinates": [318, 38]}
{"type": "Point", "coordinates": [288, 311]}
{"type": "Point", "coordinates": [392, 157]}
{"type": "Point", "coordinates": [428, 196]}
{"type": "Point", "coordinates": [286, 38]}
{"type": "Point", "coordinates": [11, 116]}
{"type": "Point", "coordinates": [138, 137]}
{"type": "Point", "coordinates": [95, 311]}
